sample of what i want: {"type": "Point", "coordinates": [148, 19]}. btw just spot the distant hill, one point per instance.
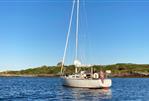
{"type": "Point", "coordinates": [118, 70]}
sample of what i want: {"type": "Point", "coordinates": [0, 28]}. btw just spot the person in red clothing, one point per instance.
{"type": "Point", "coordinates": [101, 74]}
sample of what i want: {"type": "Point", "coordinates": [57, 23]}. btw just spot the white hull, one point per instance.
{"type": "Point", "coordinates": [87, 83]}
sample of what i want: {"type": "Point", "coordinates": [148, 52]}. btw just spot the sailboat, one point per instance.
{"type": "Point", "coordinates": [81, 79]}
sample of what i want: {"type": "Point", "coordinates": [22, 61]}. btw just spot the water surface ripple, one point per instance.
{"type": "Point", "coordinates": [51, 89]}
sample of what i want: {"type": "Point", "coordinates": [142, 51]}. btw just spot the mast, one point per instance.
{"type": "Point", "coordinates": [68, 34]}
{"type": "Point", "coordinates": [77, 30]}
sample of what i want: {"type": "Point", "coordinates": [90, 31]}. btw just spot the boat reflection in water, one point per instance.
{"type": "Point", "coordinates": [90, 94]}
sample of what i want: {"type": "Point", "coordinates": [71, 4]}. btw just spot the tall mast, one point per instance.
{"type": "Point", "coordinates": [68, 34]}
{"type": "Point", "coordinates": [77, 30]}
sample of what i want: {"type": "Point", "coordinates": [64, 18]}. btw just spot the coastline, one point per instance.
{"type": "Point", "coordinates": [28, 75]}
{"type": "Point", "coordinates": [120, 70]}
{"type": "Point", "coordinates": [54, 75]}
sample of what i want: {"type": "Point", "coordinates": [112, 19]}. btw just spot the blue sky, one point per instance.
{"type": "Point", "coordinates": [33, 32]}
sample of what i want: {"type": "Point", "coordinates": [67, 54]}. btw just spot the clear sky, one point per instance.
{"type": "Point", "coordinates": [33, 32]}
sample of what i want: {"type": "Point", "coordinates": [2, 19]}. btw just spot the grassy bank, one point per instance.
{"type": "Point", "coordinates": [118, 70]}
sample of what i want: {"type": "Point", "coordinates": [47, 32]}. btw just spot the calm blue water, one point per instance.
{"type": "Point", "coordinates": [50, 89]}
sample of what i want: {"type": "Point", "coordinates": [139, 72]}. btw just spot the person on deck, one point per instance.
{"type": "Point", "coordinates": [102, 76]}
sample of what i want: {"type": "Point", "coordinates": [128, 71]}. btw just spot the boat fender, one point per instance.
{"type": "Point", "coordinates": [96, 75]}
{"type": "Point", "coordinates": [84, 75]}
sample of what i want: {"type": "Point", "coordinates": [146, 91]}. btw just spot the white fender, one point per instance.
{"type": "Point", "coordinates": [96, 75]}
